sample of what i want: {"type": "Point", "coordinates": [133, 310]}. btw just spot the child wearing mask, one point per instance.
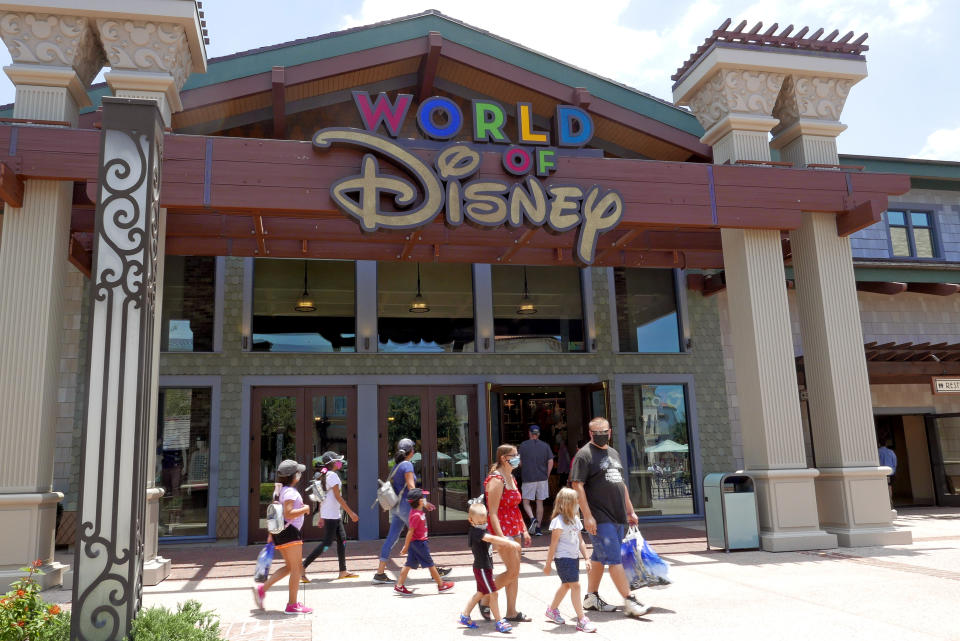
{"type": "Point", "coordinates": [566, 548]}
{"type": "Point", "coordinates": [330, 512]}
{"type": "Point", "coordinates": [480, 543]}
{"type": "Point", "coordinates": [417, 547]}
{"type": "Point", "coordinates": [289, 542]}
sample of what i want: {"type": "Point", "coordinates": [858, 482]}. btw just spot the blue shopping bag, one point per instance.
{"type": "Point", "coordinates": [264, 559]}
{"type": "Point", "coordinates": [642, 565]}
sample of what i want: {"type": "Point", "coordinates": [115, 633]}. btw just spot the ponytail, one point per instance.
{"type": "Point", "coordinates": [399, 456]}
{"type": "Point", "coordinates": [323, 479]}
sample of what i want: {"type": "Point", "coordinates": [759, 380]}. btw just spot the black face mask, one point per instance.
{"type": "Point", "coordinates": [600, 439]}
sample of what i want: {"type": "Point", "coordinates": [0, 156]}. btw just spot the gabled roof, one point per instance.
{"type": "Point", "coordinates": [665, 120]}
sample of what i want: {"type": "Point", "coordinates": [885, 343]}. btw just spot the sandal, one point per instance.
{"type": "Point", "coordinates": [349, 575]}
{"type": "Point", "coordinates": [519, 617]}
{"type": "Point", "coordinates": [485, 612]}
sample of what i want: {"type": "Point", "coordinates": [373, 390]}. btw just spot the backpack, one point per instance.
{"type": "Point", "coordinates": [315, 491]}
{"type": "Point", "coordinates": [386, 495]}
{"type": "Point", "coordinates": [275, 521]}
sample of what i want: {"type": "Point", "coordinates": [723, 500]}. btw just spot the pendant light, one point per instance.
{"type": "Point", "coordinates": [419, 305]}
{"type": "Point", "coordinates": [305, 303]}
{"type": "Point", "coordinates": [526, 306]}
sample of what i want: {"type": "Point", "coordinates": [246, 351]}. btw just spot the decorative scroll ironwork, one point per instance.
{"type": "Point", "coordinates": [108, 567]}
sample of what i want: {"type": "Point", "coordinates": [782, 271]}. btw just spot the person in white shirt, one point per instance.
{"type": "Point", "coordinates": [330, 508]}
{"type": "Point", "coordinates": [566, 548]}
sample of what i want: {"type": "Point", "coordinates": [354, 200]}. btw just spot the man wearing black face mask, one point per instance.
{"type": "Point", "coordinates": [597, 476]}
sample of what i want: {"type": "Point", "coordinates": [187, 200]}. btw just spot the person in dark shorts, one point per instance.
{"type": "Point", "coordinates": [480, 543]}
{"type": "Point", "coordinates": [417, 547]}
{"type": "Point", "coordinates": [566, 548]}
{"type": "Point", "coordinates": [596, 474]}
{"type": "Point", "coordinates": [288, 542]}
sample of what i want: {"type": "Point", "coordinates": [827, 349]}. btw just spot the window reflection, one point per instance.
{"type": "Point", "coordinates": [647, 319]}
{"type": "Point", "coordinates": [658, 449]}
{"type": "Point", "coordinates": [443, 320]}
{"type": "Point", "coordinates": [279, 286]}
{"type": "Point", "coordinates": [556, 321]}
{"type": "Point", "coordinates": [189, 295]}
{"type": "Point", "coordinates": [183, 460]}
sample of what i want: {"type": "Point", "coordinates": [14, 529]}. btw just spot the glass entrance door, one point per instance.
{"type": "Point", "coordinates": [442, 421]}
{"type": "Point", "coordinates": [301, 424]}
{"type": "Point", "coordinates": [943, 437]}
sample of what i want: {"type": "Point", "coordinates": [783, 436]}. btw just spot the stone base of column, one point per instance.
{"type": "Point", "coordinates": [854, 504]}
{"type": "Point", "coordinates": [788, 511]}
{"type": "Point", "coordinates": [29, 522]}
{"type": "Point", "coordinates": [155, 567]}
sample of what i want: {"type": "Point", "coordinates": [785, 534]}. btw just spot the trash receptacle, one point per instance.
{"type": "Point", "coordinates": [731, 511]}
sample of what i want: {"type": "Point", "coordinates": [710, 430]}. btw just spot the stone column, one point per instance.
{"type": "Point", "coordinates": [54, 58]}
{"type": "Point", "coordinates": [150, 61]}
{"type": "Point", "coordinates": [734, 105]}
{"type": "Point", "coordinates": [852, 489]}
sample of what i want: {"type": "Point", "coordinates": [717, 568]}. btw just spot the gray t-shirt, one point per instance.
{"type": "Point", "coordinates": [534, 455]}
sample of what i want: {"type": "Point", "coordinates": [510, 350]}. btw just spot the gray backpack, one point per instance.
{"type": "Point", "coordinates": [386, 495]}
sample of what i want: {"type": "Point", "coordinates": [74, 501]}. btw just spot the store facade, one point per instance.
{"type": "Point", "coordinates": [419, 229]}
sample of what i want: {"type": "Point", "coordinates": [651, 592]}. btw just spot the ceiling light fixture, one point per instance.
{"type": "Point", "coordinates": [419, 305]}
{"type": "Point", "coordinates": [304, 303]}
{"type": "Point", "coordinates": [526, 306]}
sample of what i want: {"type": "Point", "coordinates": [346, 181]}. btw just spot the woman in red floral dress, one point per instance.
{"type": "Point", "coordinates": [504, 519]}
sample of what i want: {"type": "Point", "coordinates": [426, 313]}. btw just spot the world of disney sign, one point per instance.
{"type": "Point", "coordinates": [441, 187]}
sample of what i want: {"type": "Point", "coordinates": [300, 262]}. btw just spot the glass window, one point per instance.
{"type": "Point", "coordinates": [183, 460]}
{"type": "Point", "coordinates": [911, 234]}
{"type": "Point", "coordinates": [658, 449]}
{"type": "Point", "coordinates": [947, 433]}
{"type": "Point", "coordinates": [304, 305]}
{"type": "Point", "coordinates": [189, 296]}
{"type": "Point", "coordinates": [537, 309]}
{"type": "Point", "coordinates": [425, 307]}
{"type": "Point", "coordinates": [647, 318]}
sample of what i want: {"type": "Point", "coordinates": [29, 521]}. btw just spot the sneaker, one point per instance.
{"type": "Point", "coordinates": [258, 595]}
{"type": "Point", "coordinates": [633, 608]}
{"type": "Point", "coordinates": [504, 626]}
{"type": "Point", "coordinates": [586, 625]}
{"type": "Point", "coordinates": [593, 602]}
{"type": "Point", "coordinates": [297, 608]}
{"type": "Point", "coordinates": [444, 571]}
{"type": "Point", "coordinates": [381, 577]}
{"type": "Point", "coordinates": [446, 585]}
{"type": "Point", "coordinates": [467, 621]}
{"type": "Point", "coordinates": [538, 532]}
{"type": "Point", "coordinates": [534, 526]}
{"type": "Point", "coordinates": [553, 614]}
{"type": "Point", "coordinates": [402, 589]}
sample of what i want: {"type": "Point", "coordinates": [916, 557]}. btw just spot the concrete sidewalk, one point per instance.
{"type": "Point", "coordinates": [908, 592]}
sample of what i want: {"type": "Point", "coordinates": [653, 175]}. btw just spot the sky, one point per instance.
{"type": "Point", "coordinates": [906, 107]}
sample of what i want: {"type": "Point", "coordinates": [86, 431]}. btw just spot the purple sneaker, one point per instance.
{"type": "Point", "coordinates": [258, 595]}
{"type": "Point", "coordinates": [297, 608]}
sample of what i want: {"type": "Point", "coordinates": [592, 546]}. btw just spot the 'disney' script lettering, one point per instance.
{"type": "Point", "coordinates": [483, 202]}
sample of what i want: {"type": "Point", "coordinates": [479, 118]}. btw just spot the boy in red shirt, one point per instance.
{"type": "Point", "coordinates": [416, 546]}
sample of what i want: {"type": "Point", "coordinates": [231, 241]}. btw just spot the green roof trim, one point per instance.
{"type": "Point", "coordinates": [402, 29]}
{"type": "Point", "coordinates": [941, 169]}
{"type": "Point", "coordinates": [898, 275]}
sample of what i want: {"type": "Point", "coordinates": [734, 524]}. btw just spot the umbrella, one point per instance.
{"type": "Point", "coordinates": [667, 446]}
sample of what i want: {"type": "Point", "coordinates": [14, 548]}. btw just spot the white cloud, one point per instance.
{"type": "Point", "coordinates": [942, 144]}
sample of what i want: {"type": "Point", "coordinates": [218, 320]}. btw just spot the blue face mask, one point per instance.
{"type": "Point", "coordinates": [515, 461]}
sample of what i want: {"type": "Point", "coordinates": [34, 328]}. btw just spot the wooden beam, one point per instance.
{"type": "Point", "coordinates": [429, 64]}
{"type": "Point", "coordinates": [80, 257]}
{"type": "Point", "coordinates": [934, 289]}
{"type": "Point", "coordinates": [11, 187]}
{"type": "Point", "coordinates": [279, 90]}
{"type": "Point", "coordinates": [861, 216]}
{"type": "Point", "coordinates": [875, 287]}
{"type": "Point", "coordinates": [518, 243]}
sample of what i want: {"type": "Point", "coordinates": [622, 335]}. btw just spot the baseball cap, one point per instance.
{"type": "Point", "coordinates": [327, 458]}
{"type": "Point", "coordinates": [289, 467]}
{"type": "Point", "coordinates": [406, 445]}
{"type": "Point", "coordinates": [416, 494]}
{"type": "Point", "coordinates": [534, 429]}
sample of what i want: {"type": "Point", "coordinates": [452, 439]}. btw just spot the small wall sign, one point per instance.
{"type": "Point", "coordinates": [942, 385]}
{"type": "Point", "coordinates": [447, 184]}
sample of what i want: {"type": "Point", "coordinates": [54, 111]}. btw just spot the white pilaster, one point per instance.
{"type": "Point", "coordinates": [852, 492]}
